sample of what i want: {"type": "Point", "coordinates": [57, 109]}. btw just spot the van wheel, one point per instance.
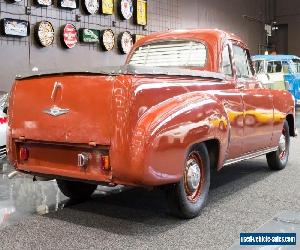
{"type": "Point", "coordinates": [278, 160]}
{"type": "Point", "coordinates": [187, 197]}
{"type": "Point", "coordinates": [76, 190]}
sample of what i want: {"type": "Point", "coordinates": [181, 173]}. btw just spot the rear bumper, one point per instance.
{"type": "Point", "coordinates": [61, 160]}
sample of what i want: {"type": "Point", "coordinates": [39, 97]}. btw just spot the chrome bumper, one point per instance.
{"type": "Point", "coordinates": [2, 152]}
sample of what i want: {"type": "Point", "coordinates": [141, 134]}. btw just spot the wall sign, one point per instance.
{"type": "Point", "coordinates": [68, 4]}
{"type": "Point", "coordinates": [91, 6]}
{"type": "Point", "coordinates": [69, 36]}
{"type": "Point", "coordinates": [140, 12]}
{"type": "Point", "coordinates": [125, 9]}
{"type": "Point", "coordinates": [107, 39]}
{"type": "Point", "coordinates": [125, 42]}
{"type": "Point", "coordinates": [14, 27]}
{"type": "Point", "coordinates": [107, 7]}
{"type": "Point", "coordinates": [89, 35]}
{"type": "Point", "coordinates": [44, 3]}
{"type": "Point", "coordinates": [44, 33]}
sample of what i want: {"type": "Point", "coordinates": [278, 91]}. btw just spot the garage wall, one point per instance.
{"type": "Point", "coordinates": [22, 54]}
{"type": "Point", "coordinates": [288, 12]}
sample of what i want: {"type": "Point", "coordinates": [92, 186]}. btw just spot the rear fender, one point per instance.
{"type": "Point", "coordinates": [164, 134]}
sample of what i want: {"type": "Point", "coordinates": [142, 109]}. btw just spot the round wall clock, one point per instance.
{"type": "Point", "coordinates": [91, 6]}
{"type": "Point", "coordinates": [107, 39]}
{"type": "Point", "coordinates": [44, 33]}
{"type": "Point", "coordinates": [45, 3]}
{"type": "Point", "coordinates": [125, 8]}
{"type": "Point", "coordinates": [125, 42]}
{"type": "Point", "coordinates": [69, 36]}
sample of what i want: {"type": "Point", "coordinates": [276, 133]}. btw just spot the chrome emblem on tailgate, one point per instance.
{"type": "Point", "coordinates": [56, 111]}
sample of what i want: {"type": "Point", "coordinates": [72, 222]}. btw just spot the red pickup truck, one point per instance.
{"type": "Point", "coordinates": [184, 103]}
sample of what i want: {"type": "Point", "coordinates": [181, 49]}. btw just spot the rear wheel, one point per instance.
{"type": "Point", "coordinates": [278, 160]}
{"type": "Point", "coordinates": [187, 197]}
{"type": "Point", "coordinates": [76, 190]}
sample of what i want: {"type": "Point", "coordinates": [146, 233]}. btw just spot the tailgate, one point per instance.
{"type": "Point", "coordinates": [63, 108]}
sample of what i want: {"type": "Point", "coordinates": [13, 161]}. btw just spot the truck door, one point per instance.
{"type": "Point", "coordinates": [258, 104]}
{"type": "Point", "coordinates": [233, 103]}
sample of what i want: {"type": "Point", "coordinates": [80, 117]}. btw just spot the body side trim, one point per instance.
{"type": "Point", "coordinates": [249, 156]}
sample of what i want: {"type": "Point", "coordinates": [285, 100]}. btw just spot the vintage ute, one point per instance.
{"type": "Point", "coordinates": [184, 104]}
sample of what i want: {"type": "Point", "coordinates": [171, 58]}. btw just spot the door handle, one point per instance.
{"type": "Point", "coordinates": [241, 87]}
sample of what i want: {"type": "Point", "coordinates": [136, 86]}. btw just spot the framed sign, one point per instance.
{"type": "Point", "coordinates": [125, 42]}
{"type": "Point", "coordinates": [137, 37]}
{"type": "Point", "coordinates": [140, 12]}
{"type": "Point", "coordinates": [107, 7]}
{"type": "Point", "coordinates": [107, 39]}
{"type": "Point", "coordinates": [125, 9]}
{"type": "Point", "coordinates": [44, 33]}
{"type": "Point", "coordinates": [68, 4]}
{"type": "Point", "coordinates": [89, 35]}
{"type": "Point", "coordinates": [44, 3]}
{"type": "Point", "coordinates": [90, 6]}
{"type": "Point", "coordinates": [69, 36]}
{"type": "Point", "coordinates": [14, 27]}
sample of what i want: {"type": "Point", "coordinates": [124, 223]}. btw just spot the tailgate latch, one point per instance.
{"type": "Point", "coordinates": [83, 160]}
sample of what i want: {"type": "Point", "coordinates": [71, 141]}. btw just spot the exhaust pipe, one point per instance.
{"type": "Point", "coordinates": [12, 174]}
{"type": "Point", "coordinates": [38, 178]}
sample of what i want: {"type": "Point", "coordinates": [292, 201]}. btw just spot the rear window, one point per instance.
{"type": "Point", "coordinates": [170, 54]}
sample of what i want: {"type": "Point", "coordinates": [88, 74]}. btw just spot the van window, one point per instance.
{"type": "Point", "coordinates": [259, 66]}
{"type": "Point", "coordinates": [295, 65]}
{"type": "Point", "coordinates": [274, 67]}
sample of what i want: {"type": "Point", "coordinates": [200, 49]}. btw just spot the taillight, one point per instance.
{"type": "Point", "coordinates": [105, 162]}
{"type": "Point", "coordinates": [24, 154]}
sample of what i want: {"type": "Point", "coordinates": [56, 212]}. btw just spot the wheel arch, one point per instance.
{"type": "Point", "coordinates": [291, 121]}
{"type": "Point", "coordinates": [213, 148]}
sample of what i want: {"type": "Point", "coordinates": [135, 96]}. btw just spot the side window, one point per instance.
{"type": "Point", "coordinates": [242, 62]}
{"type": "Point", "coordinates": [226, 62]}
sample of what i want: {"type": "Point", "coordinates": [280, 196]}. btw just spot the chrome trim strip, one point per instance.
{"type": "Point", "coordinates": [250, 156]}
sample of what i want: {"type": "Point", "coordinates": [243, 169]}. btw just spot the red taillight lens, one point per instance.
{"type": "Point", "coordinates": [105, 162]}
{"type": "Point", "coordinates": [24, 154]}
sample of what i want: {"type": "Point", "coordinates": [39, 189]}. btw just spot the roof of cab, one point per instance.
{"type": "Point", "coordinates": [274, 57]}
{"type": "Point", "coordinates": [197, 34]}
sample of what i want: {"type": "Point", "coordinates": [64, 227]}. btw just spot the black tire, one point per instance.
{"type": "Point", "coordinates": [182, 204]}
{"type": "Point", "coordinates": [278, 160]}
{"type": "Point", "coordinates": [76, 190]}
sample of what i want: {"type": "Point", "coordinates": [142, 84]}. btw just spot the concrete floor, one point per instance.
{"type": "Point", "coordinates": [242, 198]}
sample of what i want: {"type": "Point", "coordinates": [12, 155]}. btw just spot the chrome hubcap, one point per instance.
{"type": "Point", "coordinates": [282, 143]}
{"type": "Point", "coordinates": [193, 175]}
